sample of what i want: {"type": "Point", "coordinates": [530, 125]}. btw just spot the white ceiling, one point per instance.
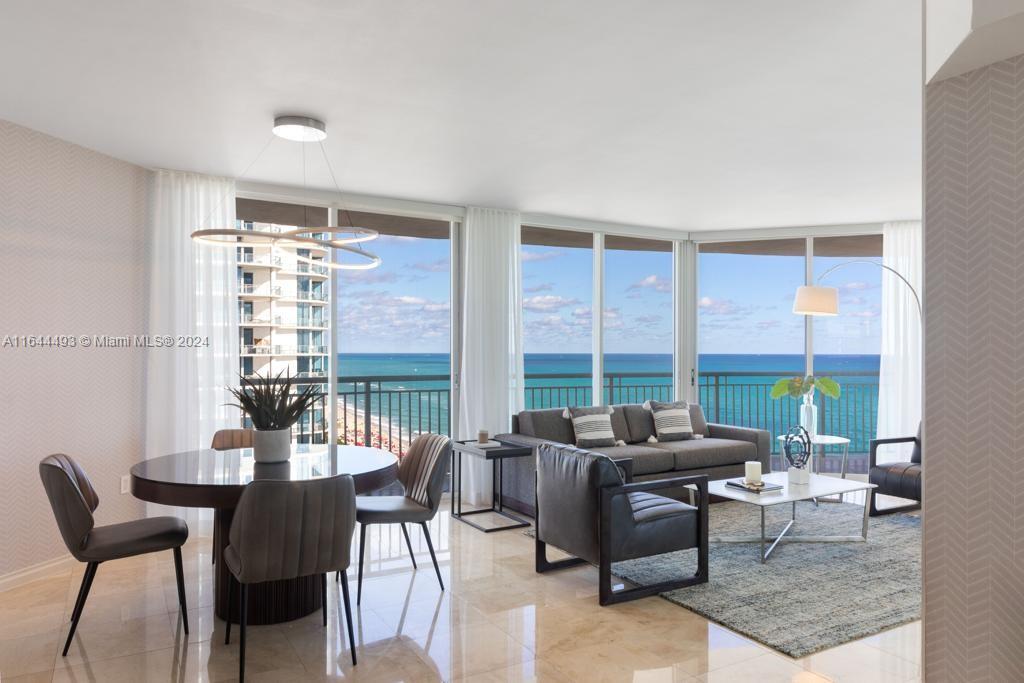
{"type": "Point", "coordinates": [696, 115]}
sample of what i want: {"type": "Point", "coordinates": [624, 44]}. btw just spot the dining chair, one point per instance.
{"type": "Point", "coordinates": [287, 529]}
{"type": "Point", "coordinates": [226, 440]}
{"type": "Point", "coordinates": [74, 500]}
{"type": "Point", "coordinates": [422, 472]}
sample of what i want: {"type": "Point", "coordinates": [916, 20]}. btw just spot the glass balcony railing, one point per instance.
{"type": "Point", "coordinates": [258, 290]}
{"type": "Point", "coordinates": [311, 295]}
{"type": "Point", "coordinates": [257, 320]}
{"type": "Point", "coordinates": [308, 321]}
{"type": "Point", "coordinates": [260, 350]}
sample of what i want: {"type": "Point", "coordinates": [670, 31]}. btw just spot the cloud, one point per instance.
{"type": "Point", "coordinates": [856, 286]}
{"type": "Point", "coordinates": [712, 306]}
{"type": "Point", "coordinates": [648, 319]}
{"type": "Point", "coordinates": [532, 256]}
{"type": "Point", "coordinates": [438, 266]}
{"type": "Point", "coordinates": [768, 324]}
{"type": "Point", "coordinates": [547, 302]}
{"type": "Point", "coordinates": [381, 316]}
{"type": "Point", "coordinates": [370, 277]}
{"type": "Point", "coordinates": [867, 313]}
{"type": "Point", "coordinates": [653, 282]}
{"type": "Point", "coordinates": [542, 287]}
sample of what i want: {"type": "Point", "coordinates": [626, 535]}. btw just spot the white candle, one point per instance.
{"type": "Point", "coordinates": [753, 471]}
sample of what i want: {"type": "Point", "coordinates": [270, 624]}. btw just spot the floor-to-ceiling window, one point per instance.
{"type": "Point", "coordinates": [557, 274]}
{"type": "Point", "coordinates": [638, 324]}
{"type": "Point", "coordinates": [748, 336]}
{"type": "Point", "coordinates": [394, 334]}
{"type": "Point", "coordinates": [847, 346]}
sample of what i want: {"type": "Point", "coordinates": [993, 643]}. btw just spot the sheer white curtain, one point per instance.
{"type": "Point", "coordinates": [899, 384]}
{"type": "Point", "coordinates": [192, 295]}
{"type": "Point", "coordinates": [491, 372]}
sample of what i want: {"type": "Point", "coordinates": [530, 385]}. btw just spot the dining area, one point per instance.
{"type": "Point", "coordinates": [281, 531]}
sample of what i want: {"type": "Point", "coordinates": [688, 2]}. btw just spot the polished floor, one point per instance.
{"type": "Point", "coordinates": [498, 621]}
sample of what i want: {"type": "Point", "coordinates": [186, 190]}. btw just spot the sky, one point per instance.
{"type": "Point", "coordinates": [744, 302]}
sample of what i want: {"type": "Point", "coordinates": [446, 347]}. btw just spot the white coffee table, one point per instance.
{"type": "Point", "coordinates": [818, 487]}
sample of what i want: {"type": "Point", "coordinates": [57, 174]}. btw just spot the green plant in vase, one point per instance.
{"type": "Point", "coordinates": [803, 387]}
{"type": "Point", "coordinates": [273, 406]}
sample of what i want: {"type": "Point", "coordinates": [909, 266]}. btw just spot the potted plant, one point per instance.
{"type": "Point", "coordinates": [797, 387]}
{"type": "Point", "coordinates": [273, 408]}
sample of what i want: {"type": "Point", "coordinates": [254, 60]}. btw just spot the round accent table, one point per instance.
{"type": "Point", "coordinates": [822, 441]}
{"type": "Point", "coordinates": [215, 479]}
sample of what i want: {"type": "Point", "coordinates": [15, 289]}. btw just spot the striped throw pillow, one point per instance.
{"type": "Point", "coordinates": [592, 426]}
{"type": "Point", "coordinates": [671, 421]}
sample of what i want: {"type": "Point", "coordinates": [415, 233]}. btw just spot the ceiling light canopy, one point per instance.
{"type": "Point", "coordinates": [300, 129]}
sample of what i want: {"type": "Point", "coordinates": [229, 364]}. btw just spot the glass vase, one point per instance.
{"type": "Point", "coordinates": [809, 415]}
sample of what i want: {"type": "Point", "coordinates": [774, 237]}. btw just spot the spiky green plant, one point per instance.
{"type": "Point", "coordinates": [796, 387]}
{"type": "Point", "coordinates": [269, 403]}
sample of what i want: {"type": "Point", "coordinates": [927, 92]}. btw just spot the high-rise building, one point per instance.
{"type": "Point", "coordinates": [283, 317]}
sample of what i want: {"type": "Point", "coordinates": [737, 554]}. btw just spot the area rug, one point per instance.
{"type": "Point", "coordinates": [808, 596]}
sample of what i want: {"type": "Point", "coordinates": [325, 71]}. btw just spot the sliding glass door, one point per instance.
{"type": "Point", "coordinates": [394, 334]}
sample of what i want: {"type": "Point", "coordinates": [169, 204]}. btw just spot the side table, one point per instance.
{"type": "Point", "coordinates": [496, 455]}
{"type": "Point", "coordinates": [820, 442]}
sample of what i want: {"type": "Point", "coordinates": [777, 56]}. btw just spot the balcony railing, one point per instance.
{"type": "Point", "coordinates": [311, 268]}
{"type": "Point", "coordinates": [260, 350]}
{"type": "Point", "coordinates": [311, 295]}
{"type": "Point", "coordinates": [258, 290]}
{"type": "Point", "coordinates": [308, 321]}
{"type": "Point", "coordinates": [310, 349]}
{"type": "Point", "coordinates": [402, 405]}
{"type": "Point", "coordinates": [252, 319]}
{"type": "Point", "coordinates": [259, 260]}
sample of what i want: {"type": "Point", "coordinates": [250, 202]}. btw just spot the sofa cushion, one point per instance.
{"type": "Point", "coordinates": [671, 420]}
{"type": "Point", "coordinates": [619, 425]}
{"type": "Point", "coordinates": [707, 452]}
{"type": "Point", "coordinates": [592, 426]}
{"type": "Point", "coordinates": [646, 460]}
{"type": "Point", "coordinates": [698, 421]}
{"type": "Point", "coordinates": [640, 423]}
{"type": "Point", "coordinates": [546, 424]}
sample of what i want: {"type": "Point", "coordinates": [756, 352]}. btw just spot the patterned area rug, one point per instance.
{"type": "Point", "coordinates": [809, 596]}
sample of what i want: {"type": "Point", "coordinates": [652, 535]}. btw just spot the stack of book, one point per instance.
{"type": "Point", "coordinates": [759, 487]}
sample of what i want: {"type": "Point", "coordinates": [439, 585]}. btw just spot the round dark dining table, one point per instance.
{"type": "Point", "coordinates": [215, 479]}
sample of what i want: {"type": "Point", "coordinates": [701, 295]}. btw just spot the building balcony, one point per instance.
{"type": "Point", "coordinates": [260, 350]}
{"type": "Point", "coordinates": [308, 321]}
{"type": "Point", "coordinates": [254, 291]}
{"type": "Point", "coordinates": [259, 261]}
{"type": "Point", "coordinates": [312, 296]}
{"type": "Point", "coordinates": [310, 350]}
{"type": "Point", "coordinates": [252, 320]}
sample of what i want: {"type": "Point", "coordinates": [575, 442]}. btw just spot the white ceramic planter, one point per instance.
{"type": "Point", "coordinates": [799, 476]}
{"type": "Point", "coordinates": [272, 445]}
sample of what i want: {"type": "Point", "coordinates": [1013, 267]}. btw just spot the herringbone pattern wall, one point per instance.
{"type": "Point", "coordinates": [974, 376]}
{"type": "Point", "coordinates": [71, 249]}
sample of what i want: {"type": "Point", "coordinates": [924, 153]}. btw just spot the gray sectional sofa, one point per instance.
{"type": "Point", "coordinates": [720, 454]}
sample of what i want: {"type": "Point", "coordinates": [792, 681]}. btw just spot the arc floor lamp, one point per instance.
{"type": "Point", "coordinates": [817, 299]}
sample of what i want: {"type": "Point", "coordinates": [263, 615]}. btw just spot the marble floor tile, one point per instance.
{"type": "Point", "coordinates": [497, 620]}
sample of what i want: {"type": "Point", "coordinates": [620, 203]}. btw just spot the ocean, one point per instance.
{"type": "Point", "coordinates": [412, 393]}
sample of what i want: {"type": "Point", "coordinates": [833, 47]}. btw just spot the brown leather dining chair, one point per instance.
{"type": "Point", "coordinates": [422, 473]}
{"type": "Point", "coordinates": [287, 529]}
{"type": "Point", "coordinates": [73, 500]}
{"type": "Point", "coordinates": [226, 440]}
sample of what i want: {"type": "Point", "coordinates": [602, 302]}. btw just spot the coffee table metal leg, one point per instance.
{"type": "Point", "coordinates": [763, 556]}
{"type": "Point", "coordinates": [846, 455]}
{"type": "Point", "coordinates": [867, 510]}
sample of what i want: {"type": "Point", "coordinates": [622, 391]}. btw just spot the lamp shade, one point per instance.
{"type": "Point", "coordinates": [814, 300]}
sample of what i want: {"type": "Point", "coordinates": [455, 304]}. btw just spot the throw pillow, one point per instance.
{"type": "Point", "coordinates": [671, 421]}
{"type": "Point", "coordinates": [593, 426]}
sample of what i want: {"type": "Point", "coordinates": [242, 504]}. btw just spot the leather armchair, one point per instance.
{"type": "Point", "coordinates": [586, 508]}
{"type": "Point", "coordinates": [899, 479]}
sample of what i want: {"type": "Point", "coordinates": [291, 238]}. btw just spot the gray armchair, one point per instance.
{"type": "Point", "coordinates": [899, 479]}
{"type": "Point", "coordinates": [586, 508]}
{"type": "Point", "coordinates": [226, 440]}
{"type": "Point", "coordinates": [287, 529]}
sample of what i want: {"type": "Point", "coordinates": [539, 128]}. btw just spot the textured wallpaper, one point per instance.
{"type": "Point", "coordinates": [974, 376]}
{"type": "Point", "coordinates": [71, 248]}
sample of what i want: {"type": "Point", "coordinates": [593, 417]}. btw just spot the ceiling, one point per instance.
{"type": "Point", "coordinates": [692, 115]}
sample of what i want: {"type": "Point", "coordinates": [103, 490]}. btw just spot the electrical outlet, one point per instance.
{"type": "Point", "coordinates": [126, 483]}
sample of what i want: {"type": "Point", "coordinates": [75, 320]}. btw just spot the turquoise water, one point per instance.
{"type": "Point", "coordinates": [733, 388]}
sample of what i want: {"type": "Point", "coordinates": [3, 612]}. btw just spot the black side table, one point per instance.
{"type": "Point", "coordinates": [496, 456]}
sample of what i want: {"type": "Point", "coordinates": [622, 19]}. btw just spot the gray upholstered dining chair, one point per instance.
{"type": "Point", "coordinates": [422, 473]}
{"type": "Point", "coordinates": [586, 509]}
{"type": "Point", "coordinates": [226, 440]}
{"type": "Point", "coordinates": [73, 500]}
{"type": "Point", "coordinates": [287, 529]}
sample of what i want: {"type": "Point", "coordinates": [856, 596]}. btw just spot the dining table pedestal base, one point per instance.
{"type": "Point", "coordinates": [272, 602]}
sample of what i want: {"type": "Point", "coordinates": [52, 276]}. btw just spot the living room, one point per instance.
{"type": "Point", "coordinates": [503, 342]}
